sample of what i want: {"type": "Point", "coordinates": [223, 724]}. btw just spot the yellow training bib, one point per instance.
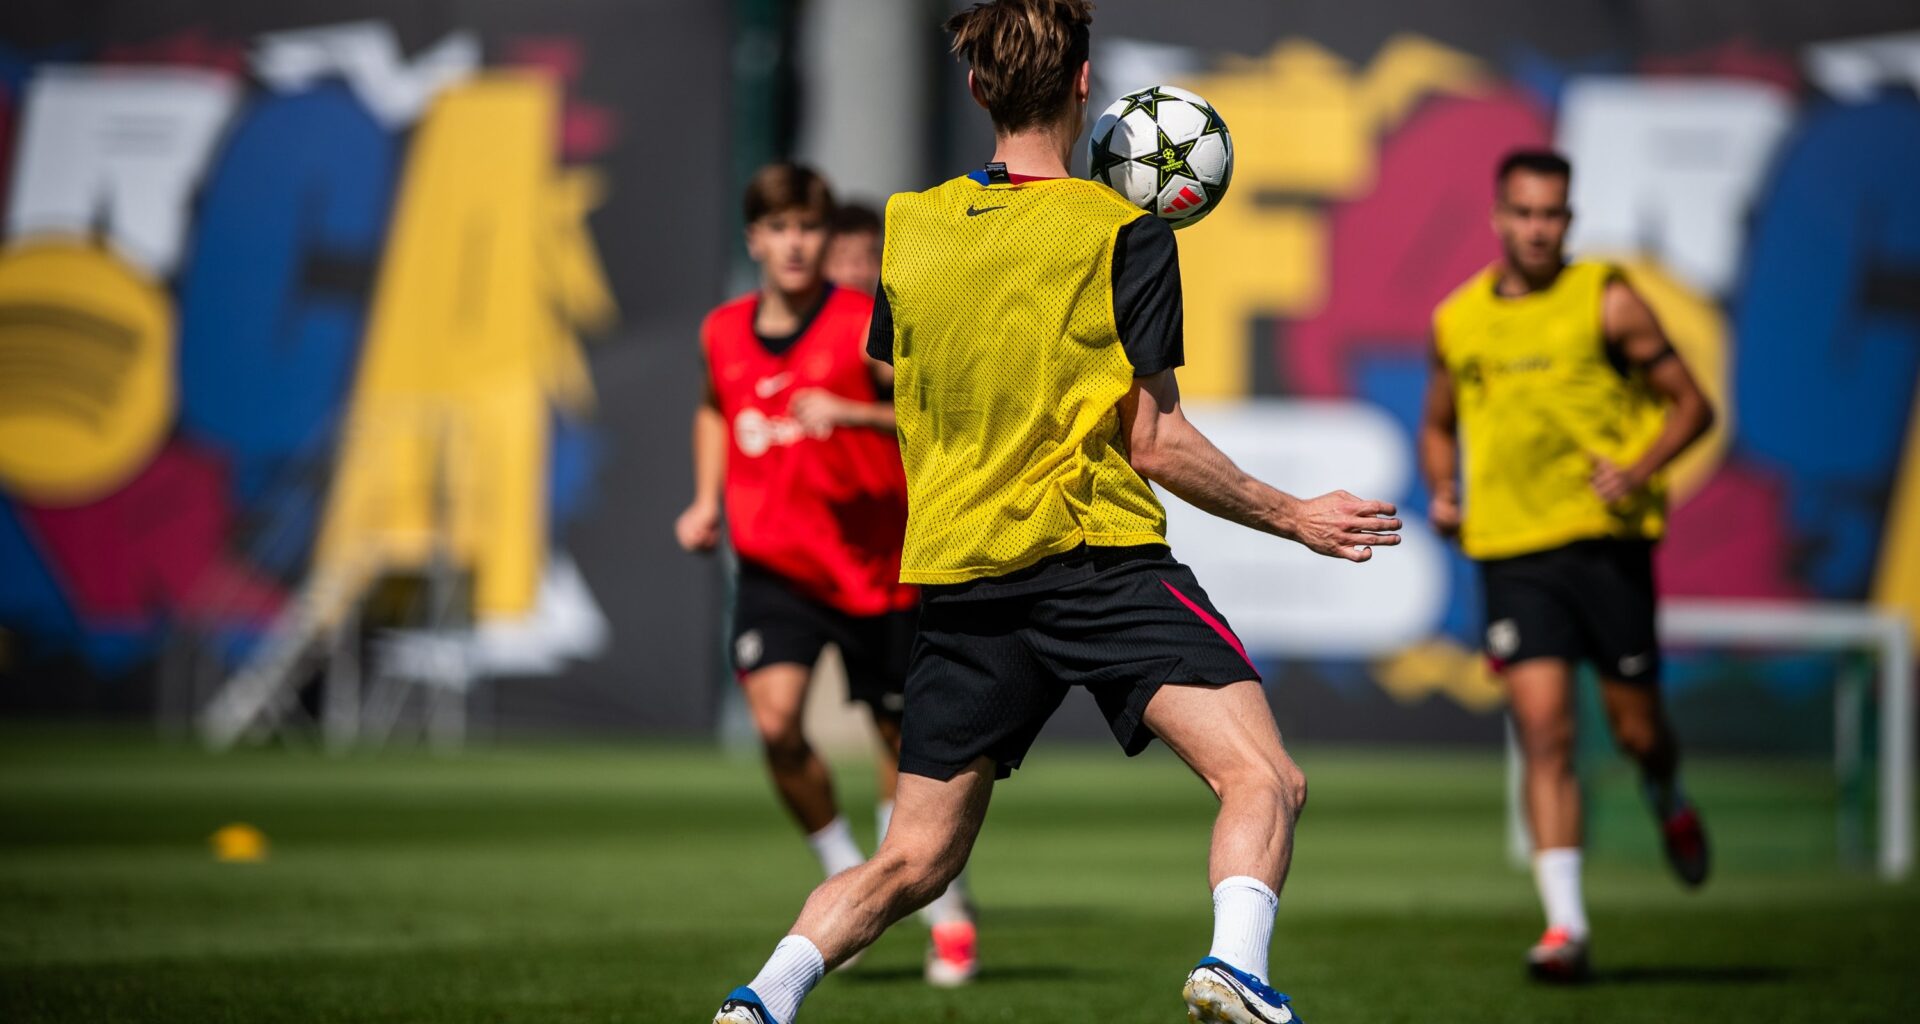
{"type": "Point", "coordinates": [1008, 369]}
{"type": "Point", "coordinates": [1538, 401]}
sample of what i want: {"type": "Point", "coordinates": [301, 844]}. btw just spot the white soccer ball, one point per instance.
{"type": "Point", "coordinates": [1166, 150]}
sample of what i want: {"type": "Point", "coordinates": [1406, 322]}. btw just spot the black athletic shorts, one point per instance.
{"type": "Point", "coordinates": [774, 623]}
{"type": "Point", "coordinates": [996, 656]}
{"type": "Point", "coordinates": [1592, 600]}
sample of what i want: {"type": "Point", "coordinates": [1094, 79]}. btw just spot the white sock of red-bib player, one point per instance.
{"type": "Point", "coordinates": [949, 906]}
{"type": "Point", "coordinates": [790, 973]}
{"type": "Point", "coordinates": [1556, 872]}
{"type": "Point", "coordinates": [835, 847]}
{"type": "Point", "coordinates": [1243, 910]}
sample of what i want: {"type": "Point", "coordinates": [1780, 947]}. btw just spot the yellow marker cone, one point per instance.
{"type": "Point", "coordinates": [239, 843]}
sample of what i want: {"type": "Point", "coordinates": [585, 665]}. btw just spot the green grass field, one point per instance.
{"type": "Point", "coordinates": [568, 884]}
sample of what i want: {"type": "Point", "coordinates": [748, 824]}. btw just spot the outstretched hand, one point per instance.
{"type": "Point", "coordinates": [1340, 525]}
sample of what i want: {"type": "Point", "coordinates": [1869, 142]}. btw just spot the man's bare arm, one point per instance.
{"type": "Point", "coordinates": [698, 528]}
{"type": "Point", "coordinates": [1440, 448]}
{"type": "Point", "coordinates": [1168, 450]}
{"type": "Point", "coordinates": [820, 411]}
{"type": "Point", "coordinates": [1634, 332]}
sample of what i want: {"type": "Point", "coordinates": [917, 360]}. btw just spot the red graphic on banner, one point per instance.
{"type": "Point", "coordinates": [158, 545]}
{"type": "Point", "coordinates": [1396, 253]}
{"type": "Point", "coordinates": [1729, 540]}
{"type": "Point", "coordinates": [1738, 58]}
{"type": "Point", "coordinates": [586, 129]}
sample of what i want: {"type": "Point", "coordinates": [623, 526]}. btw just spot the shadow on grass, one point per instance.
{"type": "Point", "coordinates": [989, 976]}
{"type": "Point", "coordinates": [1046, 915]}
{"type": "Point", "coordinates": [1689, 974]}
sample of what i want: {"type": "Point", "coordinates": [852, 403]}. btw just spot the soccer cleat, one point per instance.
{"type": "Point", "coordinates": [743, 1007]}
{"type": "Point", "coordinates": [1219, 993]}
{"type": "Point", "coordinates": [954, 958]}
{"type": "Point", "coordinates": [1558, 957]}
{"type": "Point", "coordinates": [1686, 841]}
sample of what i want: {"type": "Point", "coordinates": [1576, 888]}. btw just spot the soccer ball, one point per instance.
{"type": "Point", "coordinates": [1166, 150]}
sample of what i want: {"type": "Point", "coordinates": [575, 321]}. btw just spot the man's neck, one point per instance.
{"type": "Point", "coordinates": [1036, 153]}
{"type": "Point", "coordinates": [780, 311]}
{"type": "Point", "coordinates": [1514, 282]}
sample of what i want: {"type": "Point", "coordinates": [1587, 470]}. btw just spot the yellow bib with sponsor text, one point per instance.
{"type": "Point", "coordinates": [1538, 401]}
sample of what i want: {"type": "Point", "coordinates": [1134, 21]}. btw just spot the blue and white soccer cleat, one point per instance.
{"type": "Point", "coordinates": [743, 1007]}
{"type": "Point", "coordinates": [1219, 993]}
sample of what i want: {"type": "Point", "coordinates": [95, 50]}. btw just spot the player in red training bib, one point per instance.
{"type": "Point", "coordinates": [796, 438]}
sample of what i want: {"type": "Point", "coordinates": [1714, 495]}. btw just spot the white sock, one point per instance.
{"type": "Point", "coordinates": [882, 817]}
{"type": "Point", "coordinates": [791, 972]}
{"type": "Point", "coordinates": [835, 847]}
{"type": "Point", "coordinates": [1243, 910]}
{"type": "Point", "coordinates": [1557, 874]}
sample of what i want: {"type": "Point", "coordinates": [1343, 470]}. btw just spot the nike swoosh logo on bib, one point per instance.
{"type": "Point", "coordinates": [975, 211]}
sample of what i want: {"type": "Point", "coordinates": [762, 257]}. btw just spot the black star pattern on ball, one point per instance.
{"type": "Point", "coordinates": [1170, 159]}
{"type": "Point", "coordinates": [1105, 159]}
{"type": "Point", "coordinates": [1148, 100]}
{"type": "Point", "coordinates": [1215, 126]}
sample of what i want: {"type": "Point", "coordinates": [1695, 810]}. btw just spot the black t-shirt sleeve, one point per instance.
{"type": "Point", "coordinates": [1146, 296]}
{"type": "Point", "coordinates": [880, 329]}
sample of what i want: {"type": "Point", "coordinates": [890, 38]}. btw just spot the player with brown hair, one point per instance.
{"type": "Point", "coordinates": [1033, 321]}
{"type": "Point", "coordinates": [795, 440]}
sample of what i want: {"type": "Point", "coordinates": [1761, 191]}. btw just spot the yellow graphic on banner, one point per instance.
{"type": "Point", "coordinates": [1441, 666]}
{"type": "Point", "coordinates": [86, 371]}
{"type": "Point", "coordinates": [470, 345]}
{"type": "Point", "coordinates": [1306, 130]}
{"type": "Point", "coordinates": [1897, 585]}
{"type": "Point", "coordinates": [1411, 68]}
{"type": "Point", "coordinates": [1269, 261]}
{"type": "Point", "coordinates": [1299, 119]}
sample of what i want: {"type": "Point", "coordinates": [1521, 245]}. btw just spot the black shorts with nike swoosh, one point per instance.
{"type": "Point", "coordinates": [995, 656]}
{"type": "Point", "coordinates": [1591, 600]}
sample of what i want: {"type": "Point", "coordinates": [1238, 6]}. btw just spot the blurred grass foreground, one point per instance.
{"type": "Point", "coordinates": [602, 884]}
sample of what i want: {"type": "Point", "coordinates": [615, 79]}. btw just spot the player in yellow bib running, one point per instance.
{"type": "Point", "coordinates": [1034, 324]}
{"type": "Point", "coordinates": [1554, 408]}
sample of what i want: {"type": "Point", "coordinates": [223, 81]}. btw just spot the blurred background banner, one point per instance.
{"type": "Point", "coordinates": [297, 303]}
{"type": "Point", "coordinates": [301, 310]}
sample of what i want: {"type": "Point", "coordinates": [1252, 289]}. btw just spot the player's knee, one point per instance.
{"type": "Point", "coordinates": [1637, 738]}
{"type": "Point", "coordinates": [1293, 788]}
{"type": "Point", "coordinates": [1280, 781]}
{"type": "Point", "coordinates": [1549, 758]}
{"type": "Point", "coordinates": [939, 872]}
{"type": "Point", "coordinates": [918, 871]}
{"type": "Point", "coordinates": [1546, 742]}
{"type": "Point", "coordinates": [785, 744]}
